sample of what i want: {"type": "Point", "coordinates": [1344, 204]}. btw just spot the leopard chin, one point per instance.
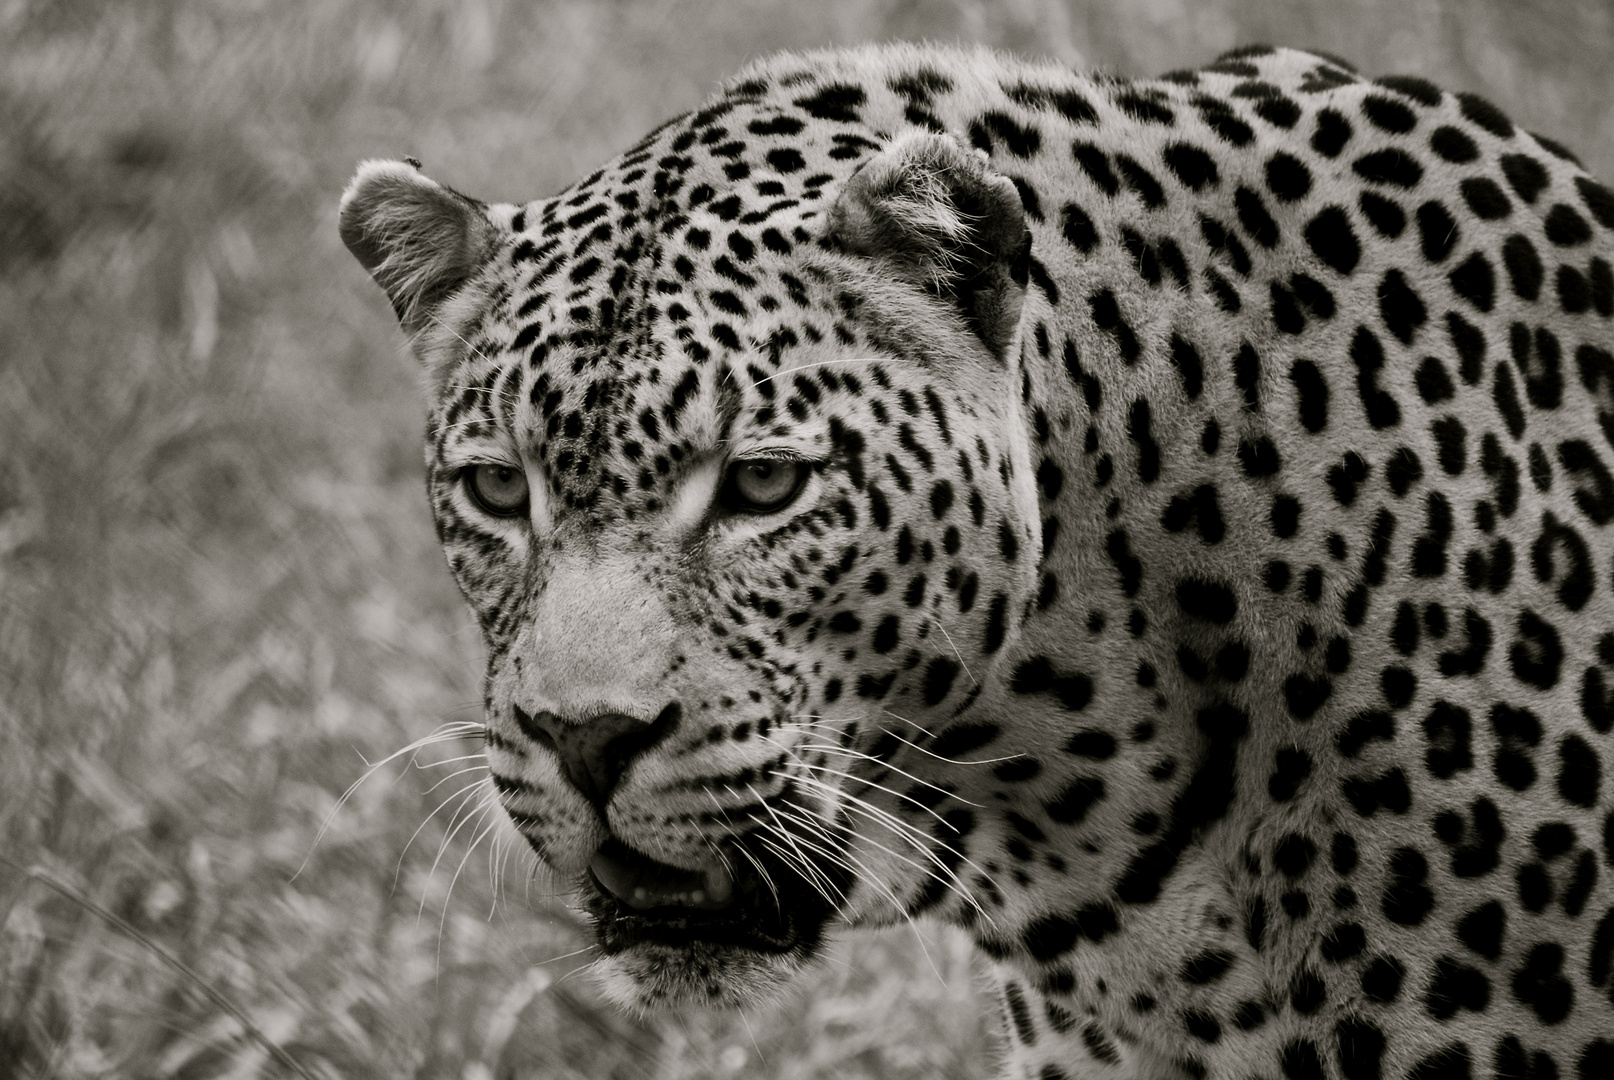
{"type": "Point", "coordinates": [646, 976]}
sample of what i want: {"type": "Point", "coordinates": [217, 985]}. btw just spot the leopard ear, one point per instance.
{"type": "Point", "coordinates": [941, 218]}
{"type": "Point", "coordinates": [419, 239]}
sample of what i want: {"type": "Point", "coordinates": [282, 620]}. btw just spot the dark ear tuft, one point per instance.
{"type": "Point", "coordinates": [419, 239]}
{"type": "Point", "coordinates": [941, 218]}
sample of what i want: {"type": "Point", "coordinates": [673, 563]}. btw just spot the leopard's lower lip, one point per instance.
{"type": "Point", "coordinates": [643, 884]}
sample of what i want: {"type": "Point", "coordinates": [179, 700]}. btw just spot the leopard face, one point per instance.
{"type": "Point", "coordinates": [1158, 526]}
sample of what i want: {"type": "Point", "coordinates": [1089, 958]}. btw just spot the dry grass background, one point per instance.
{"type": "Point", "coordinates": [219, 592]}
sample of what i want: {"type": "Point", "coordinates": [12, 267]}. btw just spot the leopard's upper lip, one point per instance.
{"type": "Point", "coordinates": [644, 884]}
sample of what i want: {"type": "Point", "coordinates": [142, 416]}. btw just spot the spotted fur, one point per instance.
{"type": "Point", "coordinates": [1199, 586]}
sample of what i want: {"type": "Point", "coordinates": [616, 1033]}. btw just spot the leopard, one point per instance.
{"type": "Point", "coordinates": [1157, 526]}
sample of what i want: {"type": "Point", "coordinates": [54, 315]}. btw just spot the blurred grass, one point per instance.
{"type": "Point", "coordinates": [219, 591]}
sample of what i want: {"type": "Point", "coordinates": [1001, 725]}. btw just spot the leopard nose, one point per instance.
{"type": "Point", "coordinates": [594, 753]}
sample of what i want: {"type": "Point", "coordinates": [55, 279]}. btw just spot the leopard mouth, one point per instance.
{"type": "Point", "coordinates": [759, 906]}
{"type": "Point", "coordinates": [646, 885]}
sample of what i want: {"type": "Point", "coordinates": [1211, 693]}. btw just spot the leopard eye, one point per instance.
{"type": "Point", "coordinates": [501, 490]}
{"type": "Point", "coordinates": [762, 485]}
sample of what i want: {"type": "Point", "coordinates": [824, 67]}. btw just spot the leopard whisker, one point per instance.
{"type": "Point", "coordinates": [821, 363]}
{"type": "Point", "coordinates": [462, 794]}
{"type": "Point", "coordinates": [467, 795]}
{"type": "Point", "coordinates": [858, 755]}
{"type": "Point", "coordinates": [951, 645]}
{"type": "Point", "coordinates": [951, 880]}
{"type": "Point", "coordinates": [454, 729]}
{"type": "Point", "coordinates": [488, 809]}
{"type": "Point", "coordinates": [872, 783]}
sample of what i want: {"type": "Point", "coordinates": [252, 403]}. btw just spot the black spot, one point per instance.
{"type": "Point", "coordinates": [1599, 200]}
{"type": "Point", "coordinates": [1312, 391]}
{"type": "Point", "coordinates": [1523, 265]}
{"type": "Point", "coordinates": [1254, 218]}
{"type": "Point", "coordinates": [1200, 508]}
{"type": "Point", "coordinates": [1595, 494]}
{"type": "Point", "coordinates": [1482, 928]}
{"type": "Point", "coordinates": [1455, 986]}
{"type": "Point", "coordinates": [1096, 164]}
{"type": "Point", "coordinates": [1291, 766]}
{"type": "Point", "coordinates": [1212, 601]}
{"type": "Point", "coordinates": [1518, 732]}
{"type": "Point", "coordinates": [1126, 564]}
{"type": "Point", "coordinates": [1565, 227]}
{"type": "Point", "coordinates": [1596, 1059]}
{"type": "Point", "coordinates": [1394, 167]}
{"type": "Point", "coordinates": [1525, 175]}
{"type": "Point", "coordinates": [1036, 675]}
{"type": "Point", "coordinates": [1486, 115]}
{"type": "Point", "coordinates": [1343, 942]}
{"type": "Point", "coordinates": [1381, 979]}
{"type": "Point", "coordinates": [1207, 967]}
{"type": "Point", "coordinates": [1401, 307]}
{"type": "Point", "coordinates": [1385, 216]}
{"type": "Point", "coordinates": [1387, 114]}
{"type": "Point", "coordinates": [1450, 441]}
{"type": "Point", "coordinates": [1278, 110]}
{"type": "Point", "coordinates": [1437, 231]}
{"type": "Point", "coordinates": [1407, 901]}
{"type": "Point", "coordinates": [1139, 429]}
{"type": "Point", "coordinates": [1343, 854]}
{"type": "Point", "coordinates": [1361, 1048]}
{"type": "Point", "coordinates": [1054, 935]}
{"type": "Point", "coordinates": [1091, 743]}
{"type": "Point", "coordinates": [1333, 131]}
{"type": "Point", "coordinates": [1070, 807]}
{"type": "Point", "coordinates": [1402, 471]}
{"type": "Point", "coordinates": [1259, 457]}
{"type": "Point", "coordinates": [1362, 728]}
{"type": "Point", "coordinates": [1078, 228]}
{"type": "Point", "coordinates": [1579, 771]}
{"type": "Point", "coordinates": [939, 676]}
{"type": "Point", "coordinates": [1537, 653]}
{"type": "Point", "coordinates": [1285, 312]}
{"type": "Point", "coordinates": [1475, 281]}
{"type": "Point", "coordinates": [1574, 296]}
{"type": "Point", "coordinates": [1469, 342]}
{"type": "Point", "coordinates": [1471, 659]}
{"type": "Point", "coordinates": [1293, 854]}
{"type": "Point", "coordinates": [1189, 365]}
{"type": "Point", "coordinates": [1191, 165]}
{"type": "Point", "coordinates": [1287, 177]}
{"type": "Point", "coordinates": [1539, 983]}
{"type": "Point", "coordinates": [1285, 516]}
{"type": "Point", "coordinates": [1485, 198]}
{"type": "Point", "coordinates": [1308, 991]}
{"type": "Point", "coordinates": [837, 102]}
{"type": "Point", "coordinates": [1447, 737]}
{"type": "Point", "coordinates": [1107, 316]}
{"type": "Point", "coordinates": [1381, 409]}
{"type": "Point", "coordinates": [1346, 476]}
{"type": "Point", "coordinates": [1453, 145]}
{"type": "Point", "coordinates": [1305, 694]}
{"type": "Point", "coordinates": [1506, 396]}
{"type": "Point", "coordinates": [1434, 385]}
{"type": "Point", "coordinates": [1300, 1060]}
{"type": "Point", "coordinates": [1022, 140]}
{"type": "Point", "coordinates": [1142, 181]}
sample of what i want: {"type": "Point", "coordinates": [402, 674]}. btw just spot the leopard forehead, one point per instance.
{"type": "Point", "coordinates": [678, 302]}
{"type": "Point", "coordinates": [1229, 648]}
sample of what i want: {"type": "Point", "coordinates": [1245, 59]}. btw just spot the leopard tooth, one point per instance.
{"type": "Point", "coordinates": [718, 885]}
